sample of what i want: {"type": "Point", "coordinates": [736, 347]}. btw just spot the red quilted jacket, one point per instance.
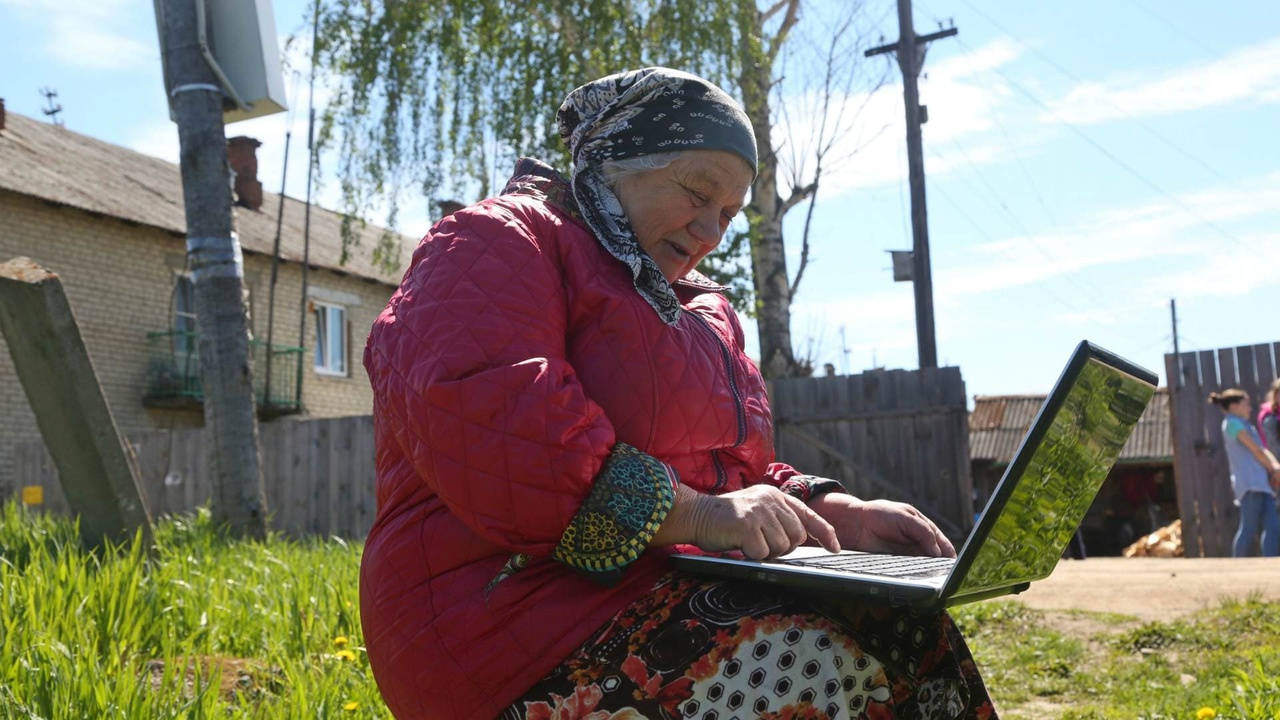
{"type": "Point", "coordinates": [513, 357]}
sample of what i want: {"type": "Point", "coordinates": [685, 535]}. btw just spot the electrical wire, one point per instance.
{"type": "Point", "coordinates": [935, 188]}
{"type": "Point", "coordinates": [1082, 283]}
{"type": "Point", "coordinates": [1124, 113]}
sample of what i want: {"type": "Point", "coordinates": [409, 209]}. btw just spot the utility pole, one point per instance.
{"type": "Point", "coordinates": [1174, 382]}
{"type": "Point", "coordinates": [54, 108]}
{"type": "Point", "coordinates": [217, 270]}
{"type": "Point", "coordinates": [910, 50]}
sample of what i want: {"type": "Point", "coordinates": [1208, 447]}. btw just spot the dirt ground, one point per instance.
{"type": "Point", "coordinates": [1152, 588]}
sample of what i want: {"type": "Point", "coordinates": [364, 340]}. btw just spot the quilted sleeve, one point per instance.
{"type": "Point", "coordinates": [468, 368]}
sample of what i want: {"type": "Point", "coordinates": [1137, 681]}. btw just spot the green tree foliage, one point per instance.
{"type": "Point", "coordinates": [444, 95]}
{"type": "Point", "coordinates": [439, 97]}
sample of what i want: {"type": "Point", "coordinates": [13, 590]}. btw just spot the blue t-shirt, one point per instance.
{"type": "Point", "coordinates": [1247, 474]}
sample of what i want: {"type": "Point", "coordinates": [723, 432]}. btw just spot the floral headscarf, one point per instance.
{"type": "Point", "coordinates": [643, 112]}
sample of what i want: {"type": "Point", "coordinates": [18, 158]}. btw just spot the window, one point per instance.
{"type": "Point", "coordinates": [184, 315]}
{"type": "Point", "coordinates": [331, 339]}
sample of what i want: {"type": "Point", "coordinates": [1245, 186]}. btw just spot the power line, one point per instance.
{"type": "Point", "coordinates": [993, 243]}
{"type": "Point", "coordinates": [1083, 284]}
{"type": "Point", "coordinates": [1124, 113]}
{"type": "Point", "coordinates": [1115, 159]}
{"type": "Point", "coordinates": [1180, 32]}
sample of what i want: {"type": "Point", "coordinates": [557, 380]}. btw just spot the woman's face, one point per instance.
{"type": "Point", "coordinates": [680, 212]}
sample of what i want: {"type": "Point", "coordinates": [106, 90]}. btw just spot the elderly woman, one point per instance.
{"type": "Point", "coordinates": [560, 400]}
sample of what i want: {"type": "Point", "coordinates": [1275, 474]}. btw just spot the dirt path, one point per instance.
{"type": "Point", "coordinates": [1152, 588]}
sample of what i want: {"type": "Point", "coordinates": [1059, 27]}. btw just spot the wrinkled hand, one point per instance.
{"type": "Point", "coordinates": [882, 526]}
{"type": "Point", "coordinates": [761, 521]}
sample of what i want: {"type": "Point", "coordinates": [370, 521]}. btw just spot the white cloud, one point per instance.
{"type": "Point", "coordinates": [964, 101]}
{"type": "Point", "coordinates": [108, 35]}
{"type": "Point", "coordinates": [1143, 233]}
{"type": "Point", "coordinates": [1250, 74]}
{"type": "Point", "coordinates": [1162, 249]}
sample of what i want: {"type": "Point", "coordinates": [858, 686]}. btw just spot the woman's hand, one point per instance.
{"type": "Point", "coordinates": [882, 526]}
{"type": "Point", "coordinates": [761, 521]}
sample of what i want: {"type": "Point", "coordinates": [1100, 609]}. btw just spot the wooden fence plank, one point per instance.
{"type": "Point", "coordinates": [1227, 377]}
{"type": "Point", "coordinates": [884, 433]}
{"type": "Point", "coordinates": [1266, 367]}
{"type": "Point", "coordinates": [1246, 374]}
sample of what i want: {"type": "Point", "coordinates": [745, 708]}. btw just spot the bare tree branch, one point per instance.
{"type": "Point", "coordinates": [798, 195]}
{"type": "Point", "coordinates": [804, 246]}
{"type": "Point", "coordinates": [780, 37]}
{"type": "Point", "coordinates": [768, 14]}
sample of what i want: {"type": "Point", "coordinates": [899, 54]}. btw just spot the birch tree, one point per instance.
{"type": "Point", "coordinates": [439, 97]}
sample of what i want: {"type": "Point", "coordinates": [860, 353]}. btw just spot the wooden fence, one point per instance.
{"type": "Point", "coordinates": [1205, 501]}
{"type": "Point", "coordinates": [318, 474]}
{"type": "Point", "coordinates": [893, 434]}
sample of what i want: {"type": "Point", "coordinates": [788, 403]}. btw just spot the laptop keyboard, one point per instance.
{"type": "Point", "coordinates": [887, 565]}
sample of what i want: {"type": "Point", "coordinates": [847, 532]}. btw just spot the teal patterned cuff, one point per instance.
{"type": "Point", "coordinates": [627, 504]}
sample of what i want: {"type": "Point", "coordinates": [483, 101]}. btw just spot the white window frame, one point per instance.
{"type": "Point", "coordinates": [323, 361]}
{"type": "Point", "coordinates": [182, 318]}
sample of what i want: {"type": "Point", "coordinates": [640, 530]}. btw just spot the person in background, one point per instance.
{"type": "Point", "coordinates": [1255, 474]}
{"type": "Point", "coordinates": [561, 401]}
{"type": "Point", "coordinates": [1269, 418]}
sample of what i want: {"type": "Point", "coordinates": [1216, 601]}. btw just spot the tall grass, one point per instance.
{"type": "Point", "coordinates": [207, 627]}
{"type": "Point", "coordinates": [202, 627]}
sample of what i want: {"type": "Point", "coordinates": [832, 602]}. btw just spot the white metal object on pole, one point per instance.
{"type": "Point", "coordinates": [239, 43]}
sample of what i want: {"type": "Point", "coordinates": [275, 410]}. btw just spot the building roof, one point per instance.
{"type": "Point", "coordinates": [998, 422]}
{"type": "Point", "coordinates": [49, 162]}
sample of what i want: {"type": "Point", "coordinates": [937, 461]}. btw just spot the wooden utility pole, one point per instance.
{"type": "Point", "coordinates": [217, 271]}
{"type": "Point", "coordinates": [910, 50]}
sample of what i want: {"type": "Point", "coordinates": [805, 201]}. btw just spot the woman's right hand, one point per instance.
{"type": "Point", "coordinates": [761, 521]}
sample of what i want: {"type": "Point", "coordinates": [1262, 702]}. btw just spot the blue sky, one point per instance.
{"type": "Point", "coordinates": [1087, 161]}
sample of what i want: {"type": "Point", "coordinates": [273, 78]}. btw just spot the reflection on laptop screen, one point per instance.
{"type": "Point", "coordinates": [1057, 473]}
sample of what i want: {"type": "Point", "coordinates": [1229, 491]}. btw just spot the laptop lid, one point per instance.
{"type": "Point", "coordinates": [1053, 478]}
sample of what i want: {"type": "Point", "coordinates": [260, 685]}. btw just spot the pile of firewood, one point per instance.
{"type": "Point", "coordinates": [1165, 542]}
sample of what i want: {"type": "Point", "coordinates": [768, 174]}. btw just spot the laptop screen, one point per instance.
{"type": "Point", "coordinates": [1055, 475]}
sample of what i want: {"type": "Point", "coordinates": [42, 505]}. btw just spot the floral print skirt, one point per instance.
{"type": "Point", "coordinates": [711, 650]}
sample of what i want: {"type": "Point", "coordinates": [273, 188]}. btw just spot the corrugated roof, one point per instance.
{"type": "Point", "coordinates": [998, 422]}
{"type": "Point", "coordinates": [52, 163]}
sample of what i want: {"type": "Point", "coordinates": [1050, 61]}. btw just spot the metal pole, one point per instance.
{"type": "Point", "coordinates": [275, 271]}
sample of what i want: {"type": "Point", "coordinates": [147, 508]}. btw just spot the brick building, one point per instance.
{"type": "Point", "coordinates": [110, 223]}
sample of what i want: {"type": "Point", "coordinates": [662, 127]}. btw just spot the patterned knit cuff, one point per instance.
{"type": "Point", "coordinates": [627, 504]}
{"type": "Point", "coordinates": [810, 487]}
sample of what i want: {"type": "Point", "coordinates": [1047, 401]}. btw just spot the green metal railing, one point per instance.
{"type": "Point", "coordinates": [173, 373]}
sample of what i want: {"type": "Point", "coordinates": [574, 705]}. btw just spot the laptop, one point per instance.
{"type": "Point", "coordinates": [1031, 516]}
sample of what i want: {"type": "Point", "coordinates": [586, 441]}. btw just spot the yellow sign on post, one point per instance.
{"type": "Point", "coordinates": [32, 495]}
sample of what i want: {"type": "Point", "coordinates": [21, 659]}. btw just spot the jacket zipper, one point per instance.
{"type": "Point", "coordinates": [722, 477]}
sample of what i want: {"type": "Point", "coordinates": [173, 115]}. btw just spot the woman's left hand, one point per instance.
{"type": "Point", "coordinates": [882, 526]}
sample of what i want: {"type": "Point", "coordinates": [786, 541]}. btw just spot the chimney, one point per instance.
{"type": "Point", "coordinates": [1, 113]}
{"type": "Point", "coordinates": [242, 155]}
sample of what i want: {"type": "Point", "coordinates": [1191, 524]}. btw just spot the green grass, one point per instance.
{"type": "Point", "coordinates": [1078, 666]}
{"type": "Point", "coordinates": [205, 628]}
{"type": "Point", "coordinates": [208, 627]}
